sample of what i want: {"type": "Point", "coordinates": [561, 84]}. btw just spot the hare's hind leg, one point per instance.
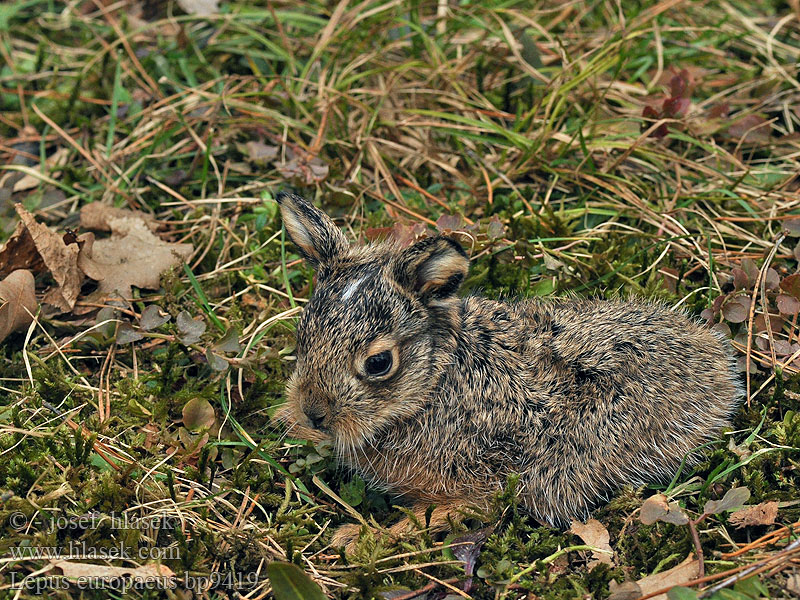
{"type": "Point", "coordinates": [347, 536]}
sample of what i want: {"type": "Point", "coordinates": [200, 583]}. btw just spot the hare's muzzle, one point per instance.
{"type": "Point", "coordinates": [317, 413]}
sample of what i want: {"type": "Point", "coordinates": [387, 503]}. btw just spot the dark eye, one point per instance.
{"type": "Point", "coordinates": [378, 364]}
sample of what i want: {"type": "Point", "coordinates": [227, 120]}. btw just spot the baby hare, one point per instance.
{"type": "Point", "coordinates": [439, 399]}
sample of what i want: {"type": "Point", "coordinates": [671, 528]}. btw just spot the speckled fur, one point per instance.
{"type": "Point", "coordinates": [578, 397]}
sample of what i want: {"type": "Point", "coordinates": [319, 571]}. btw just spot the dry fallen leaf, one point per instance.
{"type": "Point", "coordinates": [131, 256]}
{"type": "Point", "coordinates": [733, 498]}
{"type": "Point", "coordinates": [594, 534]}
{"type": "Point", "coordinates": [97, 216]}
{"type": "Point", "coordinates": [684, 572]}
{"type": "Point", "coordinates": [19, 252]}
{"type": "Point", "coordinates": [60, 259]}
{"type": "Point", "coordinates": [259, 152]}
{"type": "Point", "coordinates": [655, 508]}
{"type": "Point", "coordinates": [52, 163]}
{"type": "Point", "coordinates": [17, 295]}
{"type": "Point", "coordinates": [200, 7]}
{"type": "Point", "coordinates": [760, 514]}
{"type": "Point", "coordinates": [793, 583]}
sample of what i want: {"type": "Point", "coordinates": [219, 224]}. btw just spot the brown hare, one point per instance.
{"type": "Point", "coordinates": [439, 399]}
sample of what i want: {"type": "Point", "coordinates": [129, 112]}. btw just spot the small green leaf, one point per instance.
{"type": "Point", "coordinates": [198, 414]}
{"type": "Point", "coordinates": [681, 593]}
{"type": "Point", "coordinates": [732, 499]}
{"type": "Point", "coordinates": [229, 342]}
{"type": "Point", "coordinates": [352, 492]}
{"type": "Point", "coordinates": [289, 582]}
{"type": "Point", "coordinates": [153, 317]}
{"type": "Point", "coordinates": [126, 334]}
{"type": "Point", "coordinates": [189, 329]}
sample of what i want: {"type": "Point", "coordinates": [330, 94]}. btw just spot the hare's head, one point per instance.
{"type": "Point", "coordinates": [366, 340]}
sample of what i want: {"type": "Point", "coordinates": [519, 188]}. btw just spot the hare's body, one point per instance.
{"type": "Point", "coordinates": [577, 397]}
{"type": "Point", "coordinates": [440, 399]}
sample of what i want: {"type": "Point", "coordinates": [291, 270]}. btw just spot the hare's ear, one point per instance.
{"type": "Point", "coordinates": [311, 230]}
{"type": "Point", "coordinates": [433, 268]}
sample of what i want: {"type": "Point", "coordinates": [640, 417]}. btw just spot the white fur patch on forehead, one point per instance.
{"type": "Point", "coordinates": [352, 287]}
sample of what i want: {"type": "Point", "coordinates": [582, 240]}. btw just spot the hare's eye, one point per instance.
{"type": "Point", "coordinates": [378, 364]}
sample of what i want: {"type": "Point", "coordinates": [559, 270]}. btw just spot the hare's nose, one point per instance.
{"type": "Point", "coordinates": [316, 416]}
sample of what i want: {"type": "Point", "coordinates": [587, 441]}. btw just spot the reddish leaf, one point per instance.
{"type": "Point", "coordinates": [751, 268]}
{"type": "Point", "coordinates": [679, 84]}
{"type": "Point", "coordinates": [772, 280]}
{"type": "Point", "coordinates": [719, 111]}
{"type": "Point", "coordinates": [467, 548]}
{"type": "Point", "coordinates": [788, 305]}
{"type": "Point", "coordinates": [751, 128]}
{"type": "Point", "coordinates": [723, 328]}
{"type": "Point", "coordinates": [740, 279]}
{"type": "Point", "coordinates": [650, 113]}
{"type": "Point", "coordinates": [792, 227]}
{"type": "Point", "coordinates": [775, 323]}
{"type": "Point", "coordinates": [734, 311]}
{"type": "Point", "coordinates": [741, 365]}
{"type": "Point", "coordinates": [784, 348]}
{"type": "Point", "coordinates": [449, 222]}
{"type": "Point", "coordinates": [791, 285]}
{"type": "Point", "coordinates": [676, 107]}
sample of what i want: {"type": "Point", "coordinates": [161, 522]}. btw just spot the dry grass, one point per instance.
{"type": "Point", "coordinates": [527, 115]}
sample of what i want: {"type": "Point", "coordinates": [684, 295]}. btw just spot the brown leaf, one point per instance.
{"type": "Point", "coordinates": [792, 227]}
{"type": "Point", "coordinates": [784, 348]}
{"type": "Point", "coordinates": [686, 571]}
{"type": "Point", "coordinates": [656, 508]}
{"type": "Point", "coordinates": [449, 223]}
{"type": "Point", "coordinates": [52, 166]}
{"type": "Point", "coordinates": [17, 294]}
{"type": "Point", "coordinates": [190, 330]}
{"type": "Point", "coordinates": [760, 514]}
{"type": "Point", "coordinates": [310, 170]}
{"type": "Point", "coordinates": [97, 216]}
{"type": "Point", "coordinates": [791, 285]}
{"type": "Point", "coordinates": [751, 268]}
{"type": "Point", "coordinates": [628, 590]}
{"type": "Point", "coordinates": [131, 256]}
{"type": "Point", "coordinates": [733, 498]}
{"type": "Point", "coordinates": [19, 252]}
{"type": "Point", "coordinates": [771, 279]}
{"type": "Point", "coordinates": [793, 583]}
{"type": "Point", "coordinates": [751, 128]}
{"type": "Point", "coordinates": [202, 8]}
{"type": "Point", "coordinates": [594, 534]}
{"type": "Point", "coordinates": [734, 311]}
{"type": "Point", "coordinates": [722, 328]}
{"type": "Point", "coordinates": [788, 305]}
{"type": "Point", "coordinates": [775, 323]}
{"type": "Point", "coordinates": [198, 414]}
{"type": "Point", "coordinates": [59, 258]}
{"type": "Point", "coordinates": [259, 152]}
{"type": "Point", "coordinates": [740, 279]}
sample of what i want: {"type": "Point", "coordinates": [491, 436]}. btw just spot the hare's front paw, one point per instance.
{"type": "Point", "coordinates": [347, 536]}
